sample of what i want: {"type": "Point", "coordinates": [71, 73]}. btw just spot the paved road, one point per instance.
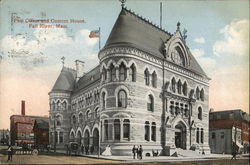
{"type": "Point", "coordinates": [62, 159]}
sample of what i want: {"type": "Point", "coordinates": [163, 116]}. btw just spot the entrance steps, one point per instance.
{"type": "Point", "coordinates": [186, 153]}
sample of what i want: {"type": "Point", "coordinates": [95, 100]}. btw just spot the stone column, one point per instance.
{"type": "Point", "coordinates": [116, 74]}
{"type": "Point", "coordinates": [58, 137]}
{"type": "Point", "coordinates": [127, 77]}
{"type": "Point", "coordinates": [121, 129]}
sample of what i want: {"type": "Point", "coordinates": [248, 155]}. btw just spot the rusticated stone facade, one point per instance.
{"type": "Point", "coordinates": [147, 90]}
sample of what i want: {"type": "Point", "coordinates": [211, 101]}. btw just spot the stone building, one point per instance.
{"type": "Point", "coordinates": [147, 90]}
{"type": "Point", "coordinates": [228, 128]}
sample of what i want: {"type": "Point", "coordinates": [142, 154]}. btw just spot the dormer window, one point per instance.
{"type": "Point", "coordinates": [177, 56]}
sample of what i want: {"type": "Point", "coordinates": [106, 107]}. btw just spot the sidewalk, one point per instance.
{"type": "Point", "coordinates": [160, 158]}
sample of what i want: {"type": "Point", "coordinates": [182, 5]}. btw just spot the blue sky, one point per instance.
{"type": "Point", "coordinates": [218, 36]}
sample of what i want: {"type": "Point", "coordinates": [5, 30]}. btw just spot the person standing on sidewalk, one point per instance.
{"type": "Point", "coordinates": [134, 151]}
{"type": "Point", "coordinates": [140, 152]}
{"type": "Point", "coordinates": [10, 153]}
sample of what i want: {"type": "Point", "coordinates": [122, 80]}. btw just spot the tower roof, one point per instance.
{"type": "Point", "coordinates": [65, 81]}
{"type": "Point", "coordinates": [134, 31]}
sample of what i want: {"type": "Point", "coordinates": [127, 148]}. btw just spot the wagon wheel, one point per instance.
{"type": "Point", "coordinates": [35, 152]}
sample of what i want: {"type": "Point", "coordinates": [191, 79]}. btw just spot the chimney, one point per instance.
{"type": "Point", "coordinates": [79, 69]}
{"type": "Point", "coordinates": [23, 107]}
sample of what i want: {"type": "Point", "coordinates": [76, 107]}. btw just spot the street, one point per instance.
{"type": "Point", "coordinates": [63, 159]}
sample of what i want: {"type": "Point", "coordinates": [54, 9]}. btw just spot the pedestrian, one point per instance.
{"type": "Point", "coordinates": [140, 151]}
{"type": "Point", "coordinates": [87, 150]}
{"type": "Point", "coordinates": [234, 151]}
{"type": "Point", "coordinates": [134, 151]}
{"type": "Point", "coordinates": [10, 153]}
{"type": "Point", "coordinates": [82, 149]}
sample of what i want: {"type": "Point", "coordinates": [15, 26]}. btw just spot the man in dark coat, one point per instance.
{"type": "Point", "coordinates": [134, 151]}
{"type": "Point", "coordinates": [10, 153]}
{"type": "Point", "coordinates": [140, 152]}
{"type": "Point", "coordinates": [234, 151]}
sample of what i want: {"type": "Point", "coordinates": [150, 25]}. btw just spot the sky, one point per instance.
{"type": "Point", "coordinates": [30, 56]}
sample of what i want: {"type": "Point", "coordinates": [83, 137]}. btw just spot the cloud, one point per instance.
{"type": "Point", "coordinates": [47, 46]}
{"type": "Point", "coordinates": [235, 40]}
{"type": "Point", "coordinates": [200, 40]}
{"type": "Point", "coordinates": [207, 63]}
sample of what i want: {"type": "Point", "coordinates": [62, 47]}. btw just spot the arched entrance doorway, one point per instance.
{"type": "Point", "coordinates": [96, 139]}
{"type": "Point", "coordinates": [71, 137]}
{"type": "Point", "coordinates": [180, 135]}
{"type": "Point", "coordinates": [79, 137]}
{"type": "Point", "coordinates": [86, 138]}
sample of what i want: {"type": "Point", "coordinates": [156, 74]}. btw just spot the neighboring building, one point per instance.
{"type": "Point", "coordinates": [41, 131]}
{"type": "Point", "coordinates": [227, 128]}
{"type": "Point", "coordinates": [4, 136]}
{"type": "Point", "coordinates": [21, 127]}
{"type": "Point", "coordinates": [147, 90]}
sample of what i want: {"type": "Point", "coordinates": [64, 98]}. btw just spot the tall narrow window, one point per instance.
{"type": "Point", "coordinates": [179, 86]}
{"type": "Point", "coordinates": [112, 72]}
{"type": "Point", "coordinates": [126, 129]}
{"type": "Point", "coordinates": [122, 99]}
{"type": "Point", "coordinates": [74, 119]}
{"type": "Point", "coordinates": [96, 112]}
{"type": "Point", "coordinates": [56, 134]}
{"type": "Point", "coordinates": [117, 129]}
{"type": "Point", "coordinates": [106, 130]}
{"type": "Point", "coordinates": [104, 74]}
{"type": "Point", "coordinates": [184, 89]}
{"type": "Point", "coordinates": [197, 135]}
{"type": "Point", "coordinates": [81, 118]}
{"type": "Point", "coordinates": [197, 92]}
{"type": "Point", "coordinates": [200, 113]}
{"type": "Point", "coordinates": [153, 131]}
{"type": "Point", "coordinates": [154, 79]}
{"type": "Point", "coordinates": [202, 135]}
{"type": "Point", "coordinates": [103, 100]}
{"type": "Point", "coordinates": [202, 95]}
{"type": "Point", "coordinates": [150, 103]}
{"type": "Point", "coordinates": [122, 72]}
{"type": "Point", "coordinates": [132, 73]}
{"type": "Point", "coordinates": [147, 135]}
{"type": "Point", "coordinates": [173, 83]}
{"type": "Point", "coordinates": [146, 77]}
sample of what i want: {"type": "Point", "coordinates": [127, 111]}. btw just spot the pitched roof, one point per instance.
{"type": "Point", "coordinates": [42, 123]}
{"type": "Point", "coordinates": [134, 31]}
{"type": "Point", "coordinates": [65, 81]}
{"type": "Point", "coordinates": [88, 78]}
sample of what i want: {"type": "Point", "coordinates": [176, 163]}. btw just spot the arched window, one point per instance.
{"type": "Point", "coordinates": [184, 88]}
{"type": "Point", "coordinates": [202, 135]}
{"type": "Point", "coordinates": [58, 105]}
{"type": "Point", "coordinates": [96, 112]}
{"type": "Point", "coordinates": [126, 129]}
{"type": "Point", "coordinates": [200, 113]}
{"type": "Point", "coordinates": [146, 77]}
{"type": "Point", "coordinates": [81, 118]}
{"type": "Point", "coordinates": [122, 72]}
{"type": "Point", "coordinates": [177, 56]}
{"type": "Point", "coordinates": [122, 99]}
{"type": "Point", "coordinates": [106, 130]}
{"type": "Point", "coordinates": [103, 100]}
{"type": "Point", "coordinates": [132, 73]}
{"type": "Point", "coordinates": [197, 135]}
{"type": "Point", "coordinates": [150, 103]}
{"type": "Point", "coordinates": [202, 94]}
{"type": "Point", "coordinates": [173, 83]}
{"type": "Point", "coordinates": [104, 74]}
{"type": "Point", "coordinates": [64, 105]}
{"type": "Point", "coordinates": [74, 119]}
{"type": "Point", "coordinates": [179, 86]}
{"type": "Point", "coordinates": [112, 72]}
{"type": "Point", "coordinates": [117, 129]}
{"type": "Point", "coordinates": [58, 121]}
{"type": "Point", "coordinates": [154, 79]}
{"type": "Point", "coordinates": [88, 114]}
{"type": "Point", "coordinates": [153, 131]}
{"type": "Point", "coordinates": [147, 131]}
{"type": "Point", "coordinates": [197, 92]}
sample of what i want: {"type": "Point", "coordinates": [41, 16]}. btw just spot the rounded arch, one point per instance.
{"type": "Point", "coordinates": [121, 115]}
{"type": "Point", "coordinates": [118, 89]}
{"type": "Point", "coordinates": [149, 93]}
{"type": "Point", "coordinates": [111, 62]}
{"type": "Point", "coordinates": [131, 62]}
{"type": "Point", "coordinates": [177, 120]}
{"type": "Point", "coordinates": [72, 133]}
{"type": "Point", "coordinates": [104, 116]}
{"type": "Point", "coordinates": [96, 126]}
{"type": "Point", "coordinates": [122, 61]}
{"type": "Point", "coordinates": [59, 114]}
{"type": "Point", "coordinates": [87, 128]}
